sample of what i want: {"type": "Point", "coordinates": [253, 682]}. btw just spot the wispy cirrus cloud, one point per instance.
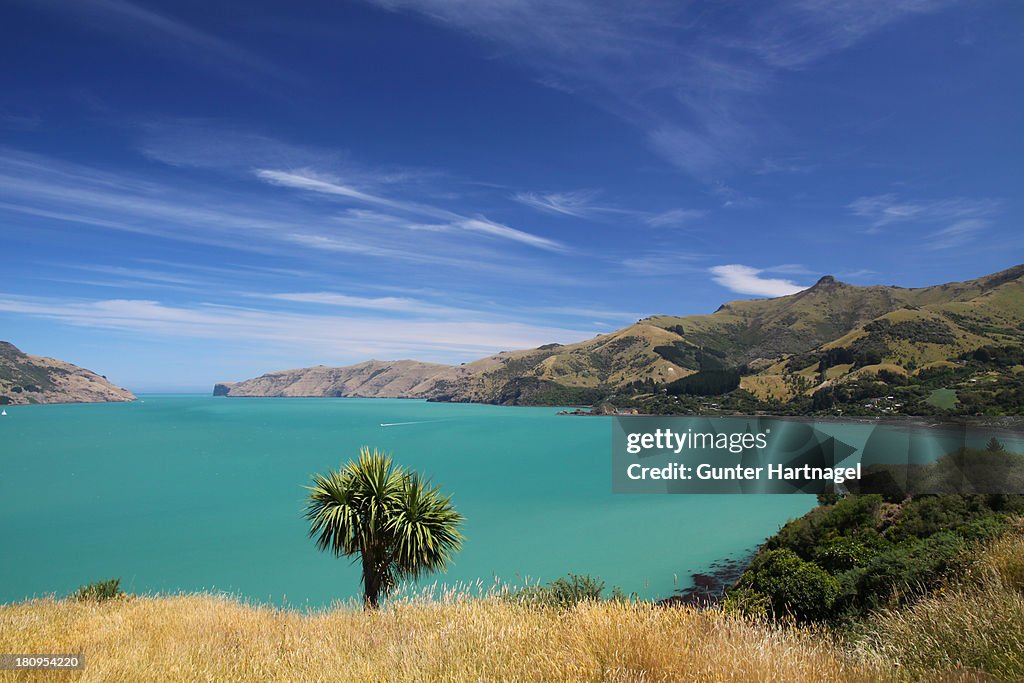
{"type": "Point", "coordinates": [660, 66]}
{"type": "Point", "coordinates": [486, 227]}
{"type": "Point", "coordinates": [206, 145]}
{"type": "Point", "coordinates": [306, 179]}
{"type": "Point", "coordinates": [345, 337]}
{"type": "Point", "coordinates": [202, 143]}
{"type": "Point", "coordinates": [857, 273]}
{"type": "Point", "coordinates": [394, 304]}
{"type": "Point", "coordinates": [421, 308]}
{"type": "Point", "coordinates": [19, 121]}
{"type": "Point", "coordinates": [137, 23]}
{"type": "Point", "coordinates": [747, 280]}
{"type": "Point", "coordinates": [962, 218]}
{"type": "Point", "coordinates": [312, 182]}
{"type": "Point", "coordinates": [661, 263]}
{"type": "Point", "coordinates": [237, 150]}
{"type": "Point", "coordinates": [143, 275]}
{"type": "Point", "coordinates": [792, 34]}
{"type": "Point", "coordinates": [887, 209]}
{"type": "Point", "coordinates": [957, 234]}
{"type": "Point", "coordinates": [674, 218]}
{"type": "Point", "coordinates": [578, 203]}
{"type": "Point", "coordinates": [32, 185]}
{"type": "Point", "coordinates": [581, 204]}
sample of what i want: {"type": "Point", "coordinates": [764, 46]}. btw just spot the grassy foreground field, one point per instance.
{"type": "Point", "coordinates": [201, 637]}
{"type": "Point", "coordinates": [970, 630]}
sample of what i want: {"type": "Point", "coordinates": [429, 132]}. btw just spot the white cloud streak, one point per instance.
{"type": "Point", "coordinates": [312, 182]}
{"type": "Point", "coordinates": [887, 209]}
{"type": "Point", "coordinates": [674, 218]}
{"type": "Point", "coordinates": [36, 186]}
{"type": "Point", "coordinates": [792, 34]}
{"type": "Point", "coordinates": [392, 304]}
{"type": "Point", "coordinates": [662, 264]}
{"type": "Point", "coordinates": [326, 336]}
{"type": "Point", "coordinates": [578, 203]}
{"type": "Point", "coordinates": [957, 234]}
{"type": "Point", "coordinates": [746, 280]}
{"type": "Point", "coordinates": [963, 218]}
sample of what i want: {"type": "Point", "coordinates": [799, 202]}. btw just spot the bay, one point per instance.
{"type": "Point", "coordinates": [195, 493]}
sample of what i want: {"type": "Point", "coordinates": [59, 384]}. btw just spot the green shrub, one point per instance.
{"type": "Point", "coordinates": [844, 552]}
{"type": "Point", "coordinates": [793, 586]}
{"type": "Point", "coordinates": [99, 591]}
{"type": "Point", "coordinates": [873, 561]}
{"type": "Point", "coordinates": [851, 515]}
{"type": "Point", "coordinates": [747, 601]}
{"type": "Point", "coordinates": [983, 529]}
{"type": "Point", "coordinates": [927, 515]}
{"type": "Point", "coordinates": [829, 498]}
{"type": "Point", "coordinates": [911, 569]}
{"type": "Point", "coordinates": [567, 591]}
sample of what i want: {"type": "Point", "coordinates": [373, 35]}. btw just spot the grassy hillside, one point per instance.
{"type": "Point", "coordinates": [208, 638]}
{"type": "Point", "coordinates": [847, 343]}
{"type": "Point", "coordinates": [974, 624]}
{"type": "Point", "coordinates": [970, 629]}
{"type": "Point", "coordinates": [26, 379]}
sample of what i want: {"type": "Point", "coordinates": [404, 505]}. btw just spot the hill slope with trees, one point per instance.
{"type": "Point", "coordinates": [833, 347]}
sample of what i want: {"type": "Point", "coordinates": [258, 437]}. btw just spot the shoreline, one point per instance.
{"type": "Point", "coordinates": [709, 586]}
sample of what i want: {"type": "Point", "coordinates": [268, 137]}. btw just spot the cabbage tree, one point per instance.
{"type": "Point", "coordinates": [398, 525]}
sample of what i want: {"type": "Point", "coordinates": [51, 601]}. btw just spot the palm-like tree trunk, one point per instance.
{"type": "Point", "coordinates": [371, 580]}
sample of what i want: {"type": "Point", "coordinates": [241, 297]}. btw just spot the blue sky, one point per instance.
{"type": "Point", "coordinates": [195, 191]}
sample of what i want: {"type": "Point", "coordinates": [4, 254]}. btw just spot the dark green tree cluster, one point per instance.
{"type": "Point", "coordinates": [999, 356]}
{"type": "Point", "coordinates": [860, 553]}
{"type": "Point", "coordinates": [706, 383]}
{"type": "Point", "coordinates": [688, 356]}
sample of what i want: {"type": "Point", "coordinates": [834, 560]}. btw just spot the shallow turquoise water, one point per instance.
{"type": "Point", "coordinates": [193, 493]}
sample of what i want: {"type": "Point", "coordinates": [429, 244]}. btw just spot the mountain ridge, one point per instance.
{"type": "Point", "coordinates": [782, 348]}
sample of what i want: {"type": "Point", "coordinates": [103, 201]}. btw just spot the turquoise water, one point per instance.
{"type": "Point", "coordinates": [187, 493]}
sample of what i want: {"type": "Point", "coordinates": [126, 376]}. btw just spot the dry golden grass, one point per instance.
{"type": "Point", "coordinates": [767, 386]}
{"type": "Point", "coordinates": [202, 637]}
{"type": "Point", "coordinates": [963, 633]}
{"type": "Point", "coordinates": [1003, 560]}
{"type": "Point", "coordinates": [971, 631]}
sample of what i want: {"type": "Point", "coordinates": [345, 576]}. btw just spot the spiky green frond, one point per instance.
{"type": "Point", "coordinates": [400, 525]}
{"type": "Point", "coordinates": [425, 528]}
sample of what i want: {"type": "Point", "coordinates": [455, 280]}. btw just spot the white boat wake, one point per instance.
{"type": "Point", "coordinates": [398, 424]}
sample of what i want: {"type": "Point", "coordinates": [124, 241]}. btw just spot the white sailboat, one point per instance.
{"type": "Point", "coordinates": [2, 413]}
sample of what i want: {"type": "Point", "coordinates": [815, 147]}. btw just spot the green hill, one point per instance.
{"type": "Point", "coordinates": [848, 345]}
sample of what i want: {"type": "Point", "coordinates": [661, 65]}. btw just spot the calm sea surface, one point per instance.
{"type": "Point", "coordinates": [188, 493]}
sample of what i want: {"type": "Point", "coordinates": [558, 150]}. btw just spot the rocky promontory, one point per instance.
{"type": "Point", "coordinates": [372, 379]}
{"type": "Point", "coordinates": [34, 379]}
